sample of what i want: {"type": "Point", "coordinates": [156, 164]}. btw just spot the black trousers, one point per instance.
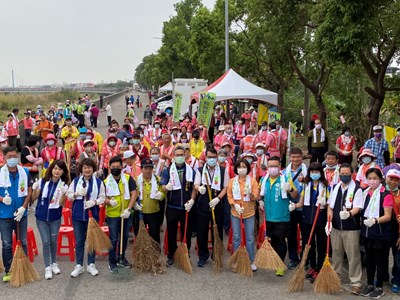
{"type": "Point", "coordinates": [317, 252]}
{"type": "Point", "coordinates": [278, 232]}
{"type": "Point", "coordinates": [109, 121]}
{"type": "Point", "coordinates": [345, 159]}
{"type": "Point", "coordinates": [151, 221]}
{"type": "Point", "coordinates": [81, 119]}
{"type": "Point", "coordinates": [94, 122]}
{"type": "Point", "coordinates": [296, 218]}
{"type": "Point", "coordinates": [317, 154]}
{"type": "Point", "coordinates": [377, 261]}
{"type": "Point", "coordinates": [175, 216]}
{"type": "Point", "coordinates": [203, 224]}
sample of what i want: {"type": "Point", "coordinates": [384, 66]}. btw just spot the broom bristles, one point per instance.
{"type": "Point", "coordinates": [296, 283]}
{"type": "Point", "coordinates": [240, 262]}
{"type": "Point", "coordinates": [146, 252]}
{"type": "Point", "coordinates": [22, 271]}
{"type": "Point", "coordinates": [96, 239]}
{"type": "Point", "coordinates": [267, 258]}
{"type": "Point", "coordinates": [181, 258]}
{"type": "Point", "coordinates": [218, 251]}
{"type": "Point", "coordinates": [1, 266]}
{"type": "Point", "coordinates": [327, 282]}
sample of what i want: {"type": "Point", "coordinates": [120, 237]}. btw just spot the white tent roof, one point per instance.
{"type": "Point", "coordinates": [166, 88]}
{"type": "Point", "coordinates": [233, 86]}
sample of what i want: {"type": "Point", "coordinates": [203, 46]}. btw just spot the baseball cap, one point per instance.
{"type": "Point", "coordinates": [147, 162]}
{"type": "Point", "coordinates": [393, 173]}
{"type": "Point", "coordinates": [128, 154]}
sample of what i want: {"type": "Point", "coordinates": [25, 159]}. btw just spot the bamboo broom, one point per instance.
{"type": "Point", "coordinates": [240, 261]}
{"type": "Point", "coordinates": [218, 247]}
{"type": "Point", "coordinates": [22, 271]}
{"type": "Point", "coordinates": [296, 283]}
{"type": "Point", "coordinates": [266, 257]}
{"type": "Point", "coordinates": [181, 256]}
{"type": "Point", "coordinates": [327, 282]}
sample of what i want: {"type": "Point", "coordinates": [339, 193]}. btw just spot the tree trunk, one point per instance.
{"type": "Point", "coordinates": [281, 91]}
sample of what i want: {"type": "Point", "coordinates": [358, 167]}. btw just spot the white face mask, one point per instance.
{"type": "Point", "coordinates": [242, 171]}
{"type": "Point", "coordinates": [318, 126]}
{"type": "Point", "coordinates": [50, 143]}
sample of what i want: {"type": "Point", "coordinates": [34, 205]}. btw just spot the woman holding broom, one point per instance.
{"type": "Point", "coordinates": [242, 193]}
{"type": "Point", "coordinates": [87, 192]}
{"type": "Point", "coordinates": [376, 232]}
{"type": "Point", "coordinates": [50, 192]}
{"type": "Point", "coordinates": [314, 194]}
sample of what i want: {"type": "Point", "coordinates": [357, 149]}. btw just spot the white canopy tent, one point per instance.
{"type": "Point", "coordinates": [166, 88]}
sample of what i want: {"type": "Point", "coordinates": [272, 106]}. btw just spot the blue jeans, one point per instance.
{"type": "Point", "coordinates": [114, 227]}
{"type": "Point", "coordinates": [6, 229]}
{"type": "Point", "coordinates": [249, 231]}
{"type": "Point", "coordinates": [49, 235]}
{"type": "Point", "coordinates": [80, 231]}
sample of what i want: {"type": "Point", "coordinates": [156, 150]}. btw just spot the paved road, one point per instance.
{"type": "Point", "coordinates": [173, 284]}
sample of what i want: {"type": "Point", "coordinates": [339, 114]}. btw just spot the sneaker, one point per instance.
{"type": "Point", "coordinates": [377, 293]}
{"type": "Point", "coordinates": [55, 269]}
{"type": "Point", "coordinates": [6, 277]}
{"type": "Point", "coordinates": [395, 288]}
{"type": "Point", "coordinates": [170, 262]}
{"type": "Point", "coordinates": [253, 267]}
{"type": "Point", "coordinates": [113, 268]}
{"type": "Point", "coordinates": [202, 263]}
{"type": "Point", "coordinates": [92, 270]}
{"type": "Point", "coordinates": [293, 264]}
{"type": "Point", "coordinates": [314, 277]}
{"type": "Point", "coordinates": [355, 290]}
{"type": "Point", "coordinates": [48, 274]}
{"type": "Point", "coordinates": [124, 263]}
{"type": "Point", "coordinates": [280, 272]}
{"type": "Point", "coordinates": [310, 273]}
{"type": "Point", "coordinates": [367, 290]}
{"type": "Point", "coordinates": [78, 270]}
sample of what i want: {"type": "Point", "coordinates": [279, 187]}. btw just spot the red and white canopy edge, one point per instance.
{"type": "Point", "coordinates": [233, 86]}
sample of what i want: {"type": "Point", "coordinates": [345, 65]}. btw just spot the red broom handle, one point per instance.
{"type": "Point", "coordinates": [265, 224]}
{"type": "Point", "coordinates": [241, 230]}
{"type": "Point", "coordinates": [186, 224]}
{"type": "Point", "coordinates": [313, 226]}
{"type": "Point", "coordinates": [329, 236]}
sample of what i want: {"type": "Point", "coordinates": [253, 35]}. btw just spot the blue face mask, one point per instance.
{"type": "Point", "coordinates": [12, 162]}
{"type": "Point", "coordinates": [179, 160]}
{"type": "Point", "coordinates": [315, 176]}
{"type": "Point", "coordinates": [250, 160]}
{"type": "Point", "coordinates": [211, 162]}
{"type": "Point", "coordinates": [136, 142]}
{"type": "Point", "coordinates": [221, 159]}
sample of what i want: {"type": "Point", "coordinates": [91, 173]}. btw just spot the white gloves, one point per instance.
{"type": "Point", "coordinates": [126, 214]}
{"type": "Point", "coordinates": [169, 186]}
{"type": "Point", "coordinates": [321, 200]}
{"type": "Point", "coordinates": [239, 209]}
{"type": "Point", "coordinates": [261, 204]}
{"type": "Point", "coordinates": [82, 192]}
{"type": "Point", "coordinates": [344, 214]}
{"type": "Point", "coordinates": [286, 186]}
{"type": "Point", "coordinates": [35, 185]}
{"type": "Point", "coordinates": [189, 205]}
{"type": "Point", "coordinates": [202, 189]}
{"type": "Point", "coordinates": [158, 195]}
{"type": "Point", "coordinates": [64, 189]}
{"type": "Point", "coordinates": [292, 206]}
{"type": "Point", "coordinates": [113, 202]}
{"type": "Point", "coordinates": [214, 202]}
{"type": "Point", "coordinates": [369, 222]}
{"type": "Point", "coordinates": [89, 204]}
{"type": "Point", "coordinates": [7, 200]}
{"type": "Point", "coordinates": [328, 228]}
{"type": "Point", "coordinates": [137, 206]}
{"type": "Point", "coordinates": [19, 213]}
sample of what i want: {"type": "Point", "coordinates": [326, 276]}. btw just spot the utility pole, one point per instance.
{"type": "Point", "coordinates": [227, 49]}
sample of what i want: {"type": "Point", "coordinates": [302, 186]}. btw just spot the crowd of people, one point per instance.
{"type": "Point", "coordinates": [159, 170]}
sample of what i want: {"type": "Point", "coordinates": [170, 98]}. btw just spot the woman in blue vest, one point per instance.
{"type": "Point", "coordinates": [87, 192]}
{"type": "Point", "coordinates": [376, 232]}
{"type": "Point", "coordinates": [50, 192]}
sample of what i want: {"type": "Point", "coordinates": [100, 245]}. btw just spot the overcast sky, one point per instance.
{"type": "Point", "coordinates": [52, 41]}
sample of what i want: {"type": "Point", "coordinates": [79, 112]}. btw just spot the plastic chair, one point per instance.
{"type": "Point", "coordinates": [31, 244]}
{"type": "Point", "coordinates": [67, 217]}
{"type": "Point", "coordinates": [68, 233]}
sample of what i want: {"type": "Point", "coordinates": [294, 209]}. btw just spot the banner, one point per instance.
{"type": "Point", "coordinates": [390, 134]}
{"type": "Point", "coordinates": [177, 107]}
{"type": "Point", "coordinates": [206, 108]}
{"type": "Point", "coordinates": [291, 135]}
{"type": "Point", "coordinates": [273, 116]}
{"type": "Point", "coordinates": [262, 113]}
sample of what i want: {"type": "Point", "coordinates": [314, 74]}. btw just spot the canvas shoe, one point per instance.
{"type": "Point", "coordinates": [113, 268]}
{"type": "Point", "coordinates": [280, 272]}
{"type": "Point", "coordinates": [92, 270]}
{"type": "Point", "coordinates": [56, 270]}
{"type": "Point", "coordinates": [78, 270]}
{"type": "Point", "coordinates": [253, 267]}
{"type": "Point", "coordinates": [48, 274]}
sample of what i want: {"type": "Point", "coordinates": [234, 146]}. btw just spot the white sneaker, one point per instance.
{"type": "Point", "coordinates": [48, 274]}
{"type": "Point", "coordinates": [78, 270]}
{"type": "Point", "coordinates": [92, 270]}
{"type": "Point", "coordinates": [55, 269]}
{"type": "Point", "coordinates": [253, 267]}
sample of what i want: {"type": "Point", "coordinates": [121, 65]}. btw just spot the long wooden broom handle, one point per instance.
{"type": "Point", "coordinates": [210, 198]}
{"type": "Point", "coordinates": [186, 224]}
{"type": "Point", "coordinates": [313, 226]}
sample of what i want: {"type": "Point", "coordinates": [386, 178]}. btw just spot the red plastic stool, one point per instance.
{"type": "Point", "coordinates": [106, 231]}
{"type": "Point", "coordinates": [67, 217]}
{"type": "Point", "coordinates": [68, 204]}
{"type": "Point", "coordinates": [31, 244]}
{"type": "Point", "coordinates": [68, 232]}
{"type": "Point", "coordinates": [102, 215]}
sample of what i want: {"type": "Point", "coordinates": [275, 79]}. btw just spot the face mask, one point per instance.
{"type": "Point", "coordinates": [180, 160]}
{"type": "Point", "coordinates": [141, 135]}
{"type": "Point", "coordinates": [366, 159]}
{"type": "Point", "coordinates": [240, 122]}
{"type": "Point", "coordinates": [378, 135]}
{"type": "Point", "coordinates": [184, 140]}
{"type": "Point", "coordinates": [82, 136]}
{"type": "Point", "coordinates": [116, 172]}
{"type": "Point", "coordinates": [373, 183]}
{"type": "Point", "coordinates": [345, 178]}
{"type": "Point", "coordinates": [347, 133]}
{"type": "Point", "coordinates": [242, 171]}
{"type": "Point", "coordinates": [263, 127]}
{"type": "Point", "coordinates": [229, 131]}
{"type": "Point", "coordinates": [260, 151]}
{"type": "Point", "coordinates": [50, 143]}
{"type": "Point", "coordinates": [250, 160]}
{"type": "Point", "coordinates": [388, 189]}
{"type": "Point", "coordinates": [111, 144]}
{"type": "Point", "coordinates": [175, 132]}
{"type": "Point", "coordinates": [221, 159]}
{"type": "Point", "coordinates": [143, 126]}
{"type": "Point", "coordinates": [12, 162]}
{"type": "Point", "coordinates": [211, 162]}
{"type": "Point", "coordinates": [200, 127]}
{"type": "Point", "coordinates": [88, 149]}
{"type": "Point", "coordinates": [318, 126]}
{"type": "Point", "coordinates": [155, 157]}
{"type": "Point", "coordinates": [273, 171]}
{"type": "Point", "coordinates": [278, 127]}
{"type": "Point", "coordinates": [315, 176]}
{"type": "Point", "coordinates": [157, 126]}
{"type": "Point", "coordinates": [69, 123]}
{"type": "Point", "coordinates": [136, 142]}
